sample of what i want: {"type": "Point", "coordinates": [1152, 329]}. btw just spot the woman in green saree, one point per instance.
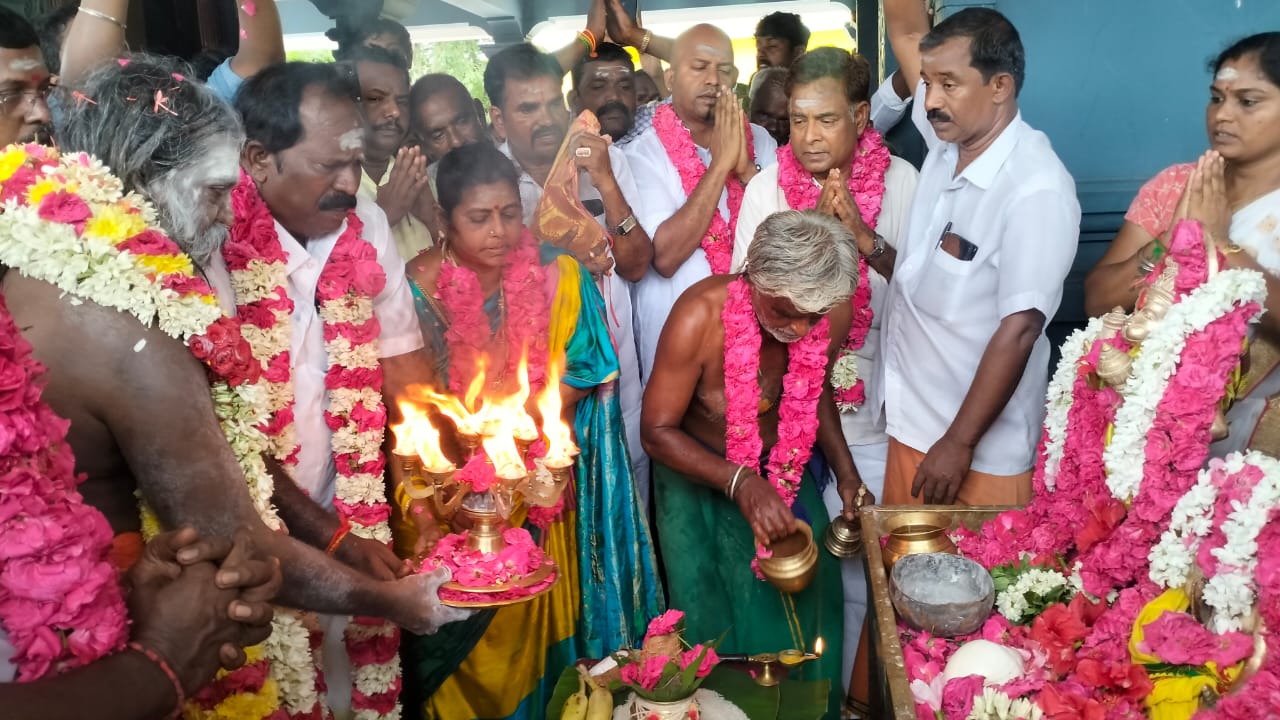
{"type": "Point", "coordinates": [487, 291]}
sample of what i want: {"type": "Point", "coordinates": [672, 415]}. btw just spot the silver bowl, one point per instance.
{"type": "Point", "coordinates": [944, 594]}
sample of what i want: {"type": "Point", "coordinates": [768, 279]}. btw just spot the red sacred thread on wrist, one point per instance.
{"type": "Point", "coordinates": [338, 535]}
{"type": "Point", "coordinates": [160, 662]}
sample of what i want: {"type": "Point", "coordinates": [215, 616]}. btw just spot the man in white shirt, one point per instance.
{"type": "Point", "coordinates": [392, 175]}
{"type": "Point", "coordinates": [679, 216]}
{"type": "Point", "coordinates": [306, 163]}
{"type": "Point", "coordinates": [991, 236]}
{"type": "Point", "coordinates": [828, 113]}
{"type": "Point", "coordinates": [527, 107]}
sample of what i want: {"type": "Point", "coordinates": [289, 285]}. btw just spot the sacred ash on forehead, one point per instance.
{"type": "Point", "coordinates": [21, 65]}
{"type": "Point", "coordinates": [1228, 74]}
{"type": "Point", "coordinates": [806, 102]}
{"type": "Point", "coordinates": [352, 139]}
{"type": "Point", "coordinates": [186, 211]}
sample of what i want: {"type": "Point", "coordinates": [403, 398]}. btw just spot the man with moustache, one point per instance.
{"type": "Point", "coordinates": [693, 164]}
{"type": "Point", "coordinates": [392, 175]}
{"type": "Point", "coordinates": [991, 236]}
{"type": "Point", "coordinates": [838, 163]}
{"type": "Point", "coordinates": [523, 84]}
{"type": "Point", "coordinates": [607, 84]}
{"type": "Point", "coordinates": [304, 140]}
{"type": "Point", "coordinates": [781, 37]}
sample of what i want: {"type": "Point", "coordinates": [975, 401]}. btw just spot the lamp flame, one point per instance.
{"type": "Point", "coordinates": [416, 435]}
{"type": "Point", "coordinates": [449, 406]}
{"type": "Point", "coordinates": [477, 384]}
{"type": "Point", "coordinates": [560, 447]}
{"type": "Point", "coordinates": [817, 646]}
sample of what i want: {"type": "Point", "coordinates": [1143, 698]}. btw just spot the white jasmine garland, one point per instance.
{"type": "Point", "coordinates": [1060, 398]}
{"type": "Point", "coordinates": [1231, 591]}
{"type": "Point", "coordinates": [1155, 363]}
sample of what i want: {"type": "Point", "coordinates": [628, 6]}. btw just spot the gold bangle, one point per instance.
{"type": "Point", "coordinates": [102, 16]}
{"type": "Point", "coordinates": [644, 44]}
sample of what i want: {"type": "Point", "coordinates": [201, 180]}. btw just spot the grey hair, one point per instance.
{"type": "Point", "coordinates": [806, 257]}
{"type": "Point", "coordinates": [142, 121]}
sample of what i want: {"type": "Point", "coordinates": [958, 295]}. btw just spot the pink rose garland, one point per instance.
{"type": "Point", "coordinates": [60, 599]}
{"type": "Point", "coordinates": [526, 306]}
{"type": "Point", "coordinates": [802, 387]}
{"type": "Point", "coordinates": [717, 243]}
{"type": "Point", "coordinates": [866, 182]}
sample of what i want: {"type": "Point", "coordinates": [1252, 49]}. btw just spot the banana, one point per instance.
{"type": "Point", "coordinates": [600, 706]}
{"type": "Point", "coordinates": [575, 708]}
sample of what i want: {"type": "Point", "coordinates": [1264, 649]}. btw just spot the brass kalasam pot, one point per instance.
{"type": "Point", "coordinates": [914, 533]}
{"type": "Point", "coordinates": [794, 563]}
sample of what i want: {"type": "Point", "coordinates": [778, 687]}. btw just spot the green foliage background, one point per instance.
{"type": "Point", "coordinates": [462, 59]}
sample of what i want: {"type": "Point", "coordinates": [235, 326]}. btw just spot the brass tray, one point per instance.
{"type": "Point", "coordinates": [889, 672]}
{"type": "Point", "coordinates": [548, 567]}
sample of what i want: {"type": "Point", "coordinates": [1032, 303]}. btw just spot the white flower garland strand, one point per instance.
{"type": "Point", "coordinates": [1125, 456]}
{"type": "Point", "coordinates": [1231, 591]}
{"type": "Point", "coordinates": [1174, 555]}
{"type": "Point", "coordinates": [1060, 398]}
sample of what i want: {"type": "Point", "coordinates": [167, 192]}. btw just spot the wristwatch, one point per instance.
{"type": "Point", "coordinates": [627, 225]}
{"type": "Point", "coordinates": [879, 247]}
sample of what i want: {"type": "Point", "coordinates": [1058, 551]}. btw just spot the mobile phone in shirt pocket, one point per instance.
{"type": "Point", "coordinates": [947, 286]}
{"type": "Point", "coordinates": [957, 247]}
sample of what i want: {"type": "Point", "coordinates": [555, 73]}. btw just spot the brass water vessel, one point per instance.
{"type": "Point", "coordinates": [794, 563]}
{"type": "Point", "coordinates": [913, 533]}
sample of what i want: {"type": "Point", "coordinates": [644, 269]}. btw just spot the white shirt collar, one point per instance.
{"type": "Point", "coordinates": [984, 169]}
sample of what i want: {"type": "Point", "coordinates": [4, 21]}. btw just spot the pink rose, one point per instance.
{"type": "Point", "coordinates": [958, 695]}
{"type": "Point", "coordinates": [64, 207]}
{"type": "Point", "coordinates": [664, 624]}
{"type": "Point", "coordinates": [150, 242]}
{"type": "Point", "coordinates": [706, 658]}
{"type": "Point", "coordinates": [652, 670]}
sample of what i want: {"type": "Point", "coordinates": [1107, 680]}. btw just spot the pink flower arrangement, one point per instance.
{"type": "Point", "coordinates": [661, 671]}
{"type": "Point", "coordinates": [717, 242]}
{"type": "Point", "coordinates": [473, 568]}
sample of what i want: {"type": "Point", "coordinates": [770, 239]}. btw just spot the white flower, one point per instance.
{"type": "Point", "coordinates": [995, 705]}
{"type": "Point", "coordinates": [1171, 558]}
{"type": "Point", "coordinates": [844, 372]}
{"type": "Point", "coordinates": [1012, 601]}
